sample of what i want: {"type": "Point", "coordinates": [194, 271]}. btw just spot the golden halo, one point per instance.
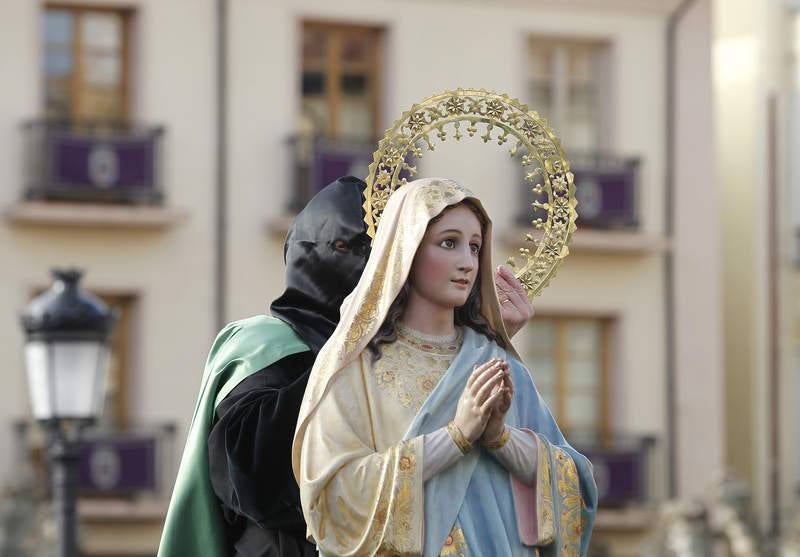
{"type": "Point", "coordinates": [500, 118]}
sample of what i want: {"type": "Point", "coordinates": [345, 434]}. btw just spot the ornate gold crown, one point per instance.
{"type": "Point", "coordinates": [501, 118]}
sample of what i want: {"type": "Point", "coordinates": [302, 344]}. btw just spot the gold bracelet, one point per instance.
{"type": "Point", "coordinates": [458, 438]}
{"type": "Point", "coordinates": [502, 440]}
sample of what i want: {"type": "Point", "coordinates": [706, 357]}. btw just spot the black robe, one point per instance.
{"type": "Point", "coordinates": [250, 443]}
{"type": "Point", "coordinates": [250, 462]}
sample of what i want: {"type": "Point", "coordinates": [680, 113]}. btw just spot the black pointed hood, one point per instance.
{"type": "Point", "coordinates": [318, 276]}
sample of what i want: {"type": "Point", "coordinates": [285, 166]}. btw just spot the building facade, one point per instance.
{"type": "Point", "coordinates": [162, 146]}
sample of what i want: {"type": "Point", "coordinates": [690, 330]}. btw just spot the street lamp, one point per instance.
{"type": "Point", "coordinates": [66, 356]}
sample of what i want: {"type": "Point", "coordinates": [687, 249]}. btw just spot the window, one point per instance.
{"type": "Point", "coordinates": [340, 81]}
{"type": "Point", "coordinates": [86, 63]}
{"type": "Point", "coordinates": [115, 414]}
{"type": "Point", "coordinates": [569, 87]}
{"type": "Point", "coordinates": [569, 360]}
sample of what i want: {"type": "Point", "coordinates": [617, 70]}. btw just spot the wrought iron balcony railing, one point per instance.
{"type": "Point", "coordinates": [607, 188]}
{"type": "Point", "coordinates": [319, 161]}
{"type": "Point", "coordinates": [119, 464]}
{"type": "Point", "coordinates": [621, 464]}
{"type": "Point", "coordinates": [92, 162]}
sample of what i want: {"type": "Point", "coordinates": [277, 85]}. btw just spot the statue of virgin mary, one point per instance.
{"type": "Point", "coordinates": [421, 430]}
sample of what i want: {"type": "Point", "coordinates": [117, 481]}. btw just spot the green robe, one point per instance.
{"type": "Point", "coordinates": [194, 525]}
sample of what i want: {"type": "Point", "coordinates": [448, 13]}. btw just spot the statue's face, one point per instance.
{"type": "Point", "coordinates": [447, 261]}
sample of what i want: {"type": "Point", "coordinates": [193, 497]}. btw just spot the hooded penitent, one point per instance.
{"type": "Point", "coordinates": [319, 276]}
{"type": "Point", "coordinates": [235, 484]}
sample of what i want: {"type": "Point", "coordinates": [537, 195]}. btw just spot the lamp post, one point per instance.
{"type": "Point", "coordinates": [66, 356]}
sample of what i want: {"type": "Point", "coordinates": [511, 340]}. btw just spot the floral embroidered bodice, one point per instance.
{"type": "Point", "coordinates": [411, 367]}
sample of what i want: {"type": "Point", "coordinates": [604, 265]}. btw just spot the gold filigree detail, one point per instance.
{"type": "Point", "coordinates": [367, 314]}
{"type": "Point", "coordinates": [409, 372]}
{"type": "Point", "coordinates": [441, 346]}
{"type": "Point", "coordinates": [570, 494]}
{"type": "Point", "coordinates": [393, 521]}
{"type": "Point", "coordinates": [458, 438]}
{"type": "Point", "coordinates": [502, 118]}
{"type": "Point", "coordinates": [455, 545]}
{"type": "Point", "coordinates": [546, 526]}
{"type": "Point", "coordinates": [500, 442]}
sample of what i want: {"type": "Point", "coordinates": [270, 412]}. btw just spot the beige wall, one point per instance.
{"type": "Point", "coordinates": [739, 122]}
{"type": "Point", "coordinates": [752, 64]}
{"type": "Point", "coordinates": [18, 53]}
{"type": "Point", "coordinates": [168, 270]}
{"type": "Point", "coordinates": [698, 294]}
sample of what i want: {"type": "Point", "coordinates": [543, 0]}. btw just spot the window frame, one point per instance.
{"type": "Point", "coordinates": [561, 374]}
{"type": "Point", "coordinates": [333, 70]}
{"type": "Point", "coordinates": [560, 81]}
{"type": "Point", "coordinates": [79, 10]}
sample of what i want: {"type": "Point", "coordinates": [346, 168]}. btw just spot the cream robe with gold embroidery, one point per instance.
{"type": "Point", "coordinates": [390, 390]}
{"type": "Point", "coordinates": [350, 471]}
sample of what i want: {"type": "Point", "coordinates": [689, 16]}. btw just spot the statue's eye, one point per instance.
{"type": "Point", "coordinates": [341, 246]}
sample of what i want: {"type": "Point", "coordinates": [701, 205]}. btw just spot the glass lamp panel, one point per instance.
{"type": "Point", "coordinates": [37, 364]}
{"type": "Point", "coordinates": [79, 367]}
{"type": "Point", "coordinates": [101, 380]}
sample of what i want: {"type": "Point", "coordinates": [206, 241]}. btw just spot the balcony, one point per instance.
{"type": "Point", "coordinates": [609, 220]}
{"type": "Point", "coordinates": [607, 185]}
{"type": "Point", "coordinates": [135, 462]}
{"type": "Point", "coordinates": [607, 189]}
{"type": "Point", "coordinates": [319, 161]}
{"type": "Point", "coordinates": [92, 162]}
{"type": "Point", "coordinates": [92, 174]}
{"type": "Point", "coordinates": [124, 482]}
{"type": "Point", "coordinates": [621, 467]}
{"type": "Point", "coordinates": [627, 502]}
{"type": "Point", "coordinates": [608, 192]}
